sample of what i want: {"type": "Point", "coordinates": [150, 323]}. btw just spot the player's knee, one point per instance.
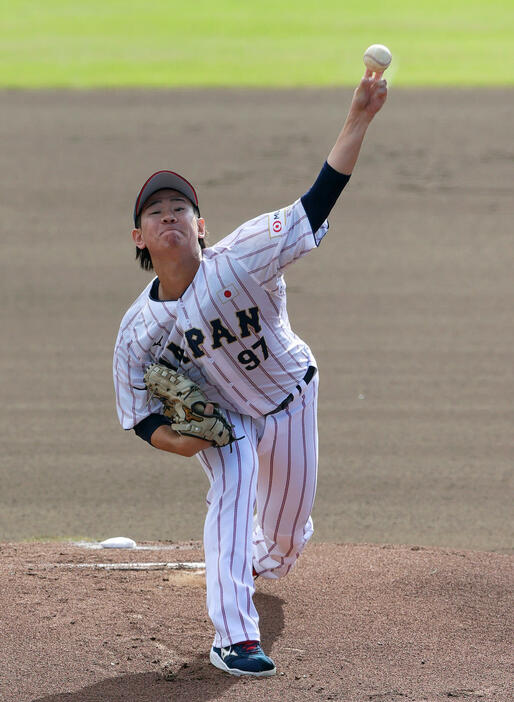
{"type": "Point", "coordinates": [290, 545]}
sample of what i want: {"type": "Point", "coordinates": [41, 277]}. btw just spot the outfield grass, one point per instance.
{"type": "Point", "coordinates": [87, 43]}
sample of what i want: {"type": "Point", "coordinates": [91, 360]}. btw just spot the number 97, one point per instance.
{"type": "Point", "coordinates": [249, 359]}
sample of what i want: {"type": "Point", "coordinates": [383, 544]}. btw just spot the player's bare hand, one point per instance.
{"type": "Point", "coordinates": [370, 94]}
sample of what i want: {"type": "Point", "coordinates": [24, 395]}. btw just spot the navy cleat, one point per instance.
{"type": "Point", "coordinates": [245, 658]}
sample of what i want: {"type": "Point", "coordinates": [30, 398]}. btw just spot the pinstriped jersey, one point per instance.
{"type": "Point", "coordinates": [229, 331]}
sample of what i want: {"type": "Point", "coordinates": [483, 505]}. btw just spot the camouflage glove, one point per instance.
{"type": "Point", "coordinates": [184, 403]}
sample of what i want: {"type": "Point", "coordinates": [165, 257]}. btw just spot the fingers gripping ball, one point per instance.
{"type": "Point", "coordinates": [184, 403]}
{"type": "Point", "coordinates": [377, 57]}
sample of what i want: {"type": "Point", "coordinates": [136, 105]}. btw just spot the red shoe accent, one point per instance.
{"type": "Point", "coordinates": [249, 646]}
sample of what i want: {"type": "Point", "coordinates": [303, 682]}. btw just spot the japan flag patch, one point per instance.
{"type": "Point", "coordinates": [277, 223]}
{"type": "Point", "coordinates": [228, 293]}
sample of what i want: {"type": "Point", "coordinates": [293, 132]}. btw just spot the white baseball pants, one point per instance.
{"type": "Point", "coordinates": [259, 505]}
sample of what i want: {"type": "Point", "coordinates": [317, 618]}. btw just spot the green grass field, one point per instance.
{"type": "Point", "coordinates": [104, 43]}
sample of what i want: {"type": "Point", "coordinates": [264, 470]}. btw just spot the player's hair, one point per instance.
{"type": "Point", "coordinates": [143, 255]}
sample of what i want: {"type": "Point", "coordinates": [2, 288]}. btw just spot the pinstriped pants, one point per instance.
{"type": "Point", "coordinates": [259, 506]}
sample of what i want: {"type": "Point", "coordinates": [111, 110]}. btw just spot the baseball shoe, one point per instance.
{"type": "Point", "coordinates": [244, 658]}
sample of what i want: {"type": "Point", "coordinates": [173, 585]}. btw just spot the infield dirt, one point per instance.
{"type": "Point", "coordinates": [407, 305]}
{"type": "Point", "coordinates": [353, 623]}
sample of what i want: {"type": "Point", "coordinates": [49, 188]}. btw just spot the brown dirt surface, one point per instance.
{"type": "Point", "coordinates": [352, 622]}
{"type": "Point", "coordinates": [407, 305]}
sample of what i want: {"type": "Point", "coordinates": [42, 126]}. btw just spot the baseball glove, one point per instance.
{"type": "Point", "coordinates": [184, 403]}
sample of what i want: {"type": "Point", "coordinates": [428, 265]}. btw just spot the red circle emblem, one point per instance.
{"type": "Point", "coordinates": [277, 226]}
{"type": "Point", "coordinates": [227, 293]}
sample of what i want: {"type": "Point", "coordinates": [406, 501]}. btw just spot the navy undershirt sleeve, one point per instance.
{"type": "Point", "coordinates": [148, 425]}
{"type": "Point", "coordinates": [320, 199]}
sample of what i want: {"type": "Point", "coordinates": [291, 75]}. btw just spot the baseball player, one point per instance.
{"type": "Point", "coordinates": [218, 316]}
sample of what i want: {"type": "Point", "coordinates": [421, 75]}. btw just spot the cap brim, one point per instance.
{"type": "Point", "coordinates": [164, 180]}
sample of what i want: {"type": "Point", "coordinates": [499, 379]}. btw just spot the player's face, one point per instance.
{"type": "Point", "coordinates": [168, 221]}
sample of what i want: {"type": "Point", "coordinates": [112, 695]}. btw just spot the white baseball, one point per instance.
{"type": "Point", "coordinates": [377, 57]}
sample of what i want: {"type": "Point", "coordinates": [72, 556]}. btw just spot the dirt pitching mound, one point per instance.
{"type": "Point", "coordinates": [351, 622]}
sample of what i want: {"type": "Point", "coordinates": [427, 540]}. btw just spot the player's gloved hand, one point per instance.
{"type": "Point", "coordinates": [186, 405]}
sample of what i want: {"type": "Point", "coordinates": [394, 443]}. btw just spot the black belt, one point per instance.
{"type": "Point", "coordinates": [311, 372]}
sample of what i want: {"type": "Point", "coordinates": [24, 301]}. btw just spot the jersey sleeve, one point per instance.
{"type": "Point", "coordinates": [266, 245]}
{"type": "Point", "coordinates": [133, 402]}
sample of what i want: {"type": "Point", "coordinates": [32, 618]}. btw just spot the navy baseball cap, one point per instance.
{"type": "Point", "coordinates": [161, 180]}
